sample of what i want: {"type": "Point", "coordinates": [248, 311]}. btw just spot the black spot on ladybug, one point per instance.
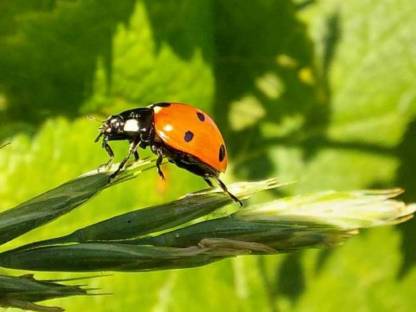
{"type": "Point", "coordinates": [201, 116]}
{"type": "Point", "coordinates": [188, 136]}
{"type": "Point", "coordinates": [222, 152]}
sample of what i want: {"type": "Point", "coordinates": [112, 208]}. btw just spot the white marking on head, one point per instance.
{"type": "Point", "coordinates": [131, 125]}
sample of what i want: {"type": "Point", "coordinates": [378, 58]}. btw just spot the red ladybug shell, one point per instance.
{"type": "Point", "coordinates": [190, 130]}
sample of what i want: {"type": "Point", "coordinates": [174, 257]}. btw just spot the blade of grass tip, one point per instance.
{"type": "Point", "coordinates": [157, 218]}
{"type": "Point", "coordinates": [24, 291]}
{"type": "Point", "coordinates": [81, 278]}
{"type": "Point", "coordinates": [27, 287]}
{"type": "Point", "coordinates": [59, 201]}
{"type": "Point", "coordinates": [344, 210]}
{"type": "Point", "coordinates": [93, 294]}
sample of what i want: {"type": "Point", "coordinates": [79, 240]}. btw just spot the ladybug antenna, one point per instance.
{"type": "Point", "coordinates": [225, 189]}
{"type": "Point", "coordinates": [93, 118]}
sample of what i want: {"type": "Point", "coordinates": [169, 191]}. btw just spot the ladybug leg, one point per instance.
{"type": "Point", "coordinates": [225, 189]}
{"type": "Point", "coordinates": [159, 162]}
{"type": "Point", "coordinates": [132, 150]}
{"type": "Point", "coordinates": [109, 151]}
{"type": "Point", "coordinates": [206, 178]}
{"type": "Point", "coordinates": [136, 155]}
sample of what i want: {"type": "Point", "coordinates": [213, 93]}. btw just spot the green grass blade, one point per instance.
{"type": "Point", "coordinates": [165, 216]}
{"type": "Point", "coordinates": [148, 220]}
{"type": "Point", "coordinates": [291, 223]}
{"type": "Point", "coordinates": [282, 236]}
{"type": "Point", "coordinates": [283, 225]}
{"type": "Point", "coordinates": [24, 291]}
{"type": "Point", "coordinates": [60, 200]}
{"type": "Point", "coordinates": [345, 210]}
{"type": "Point", "coordinates": [106, 257]}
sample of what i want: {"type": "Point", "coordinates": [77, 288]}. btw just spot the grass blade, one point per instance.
{"type": "Point", "coordinates": [23, 292]}
{"type": "Point", "coordinates": [284, 225]}
{"type": "Point", "coordinates": [291, 223]}
{"type": "Point", "coordinates": [60, 200]}
{"type": "Point", "coordinates": [107, 257]}
{"type": "Point", "coordinates": [285, 236]}
{"type": "Point", "coordinates": [157, 218]}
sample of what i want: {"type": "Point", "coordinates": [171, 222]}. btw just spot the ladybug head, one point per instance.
{"type": "Point", "coordinates": [113, 126]}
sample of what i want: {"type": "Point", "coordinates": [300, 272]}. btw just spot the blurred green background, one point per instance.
{"type": "Point", "coordinates": [322, 92]}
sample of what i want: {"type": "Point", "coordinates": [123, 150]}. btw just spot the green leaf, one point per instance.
{"type": "Point", "coordinates": [333, 87]}
{"type": "Point", "coordinates": [279, 226]}
{"type": "Point", "coordinates": [60, 200]}
{"type": "Point", "coordinates": [148, 220]}
{"type": "Point", "coordinates": [24, 291]}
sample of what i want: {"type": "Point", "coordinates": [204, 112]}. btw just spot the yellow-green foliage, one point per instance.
{"type": "Point", "coordinates": [321, 92]}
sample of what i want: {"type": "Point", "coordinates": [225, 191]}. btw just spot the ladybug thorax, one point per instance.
{"type": "Point", "coordinates": [131, 126]}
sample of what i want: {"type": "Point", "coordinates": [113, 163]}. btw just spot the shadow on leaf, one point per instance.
{"type": "Point", "coordinates": [49, 52]}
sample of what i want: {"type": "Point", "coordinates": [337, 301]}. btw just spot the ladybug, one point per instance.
{"type": "Point", "coordinates": [187, 136]}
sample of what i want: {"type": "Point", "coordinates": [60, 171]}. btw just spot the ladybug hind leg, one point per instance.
{"type": "Point", "coordinates": [136, 155]}
{"type": "Point", "coordinates": [225, 189]}
{"type": "Point", "coordinates": [159, 162]}
{"type": "Point", "coordinates": [206, 178]}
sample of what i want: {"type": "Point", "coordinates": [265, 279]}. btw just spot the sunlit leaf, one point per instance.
{"type": "Point", "coordinates": [61, 200]}
{"type": "Point", "coordinates": [280, 226]}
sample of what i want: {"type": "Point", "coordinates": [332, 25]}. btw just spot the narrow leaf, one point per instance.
{"type": "Point", "coordinates": [148, 220]}
{"type": "Point", "coordinates": [108, 257]}
{"type": "Point", "coordinates": [24, 291]}
{"type": "Point", "coordinates": [60, 200]}
{"type": "Point", "coordinates": [284, 225]}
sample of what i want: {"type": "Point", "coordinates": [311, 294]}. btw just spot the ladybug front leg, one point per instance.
{"type": "Point", "coordinates": [109, 151]}
{"type": "Point", "coordinates": [132, 150]}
